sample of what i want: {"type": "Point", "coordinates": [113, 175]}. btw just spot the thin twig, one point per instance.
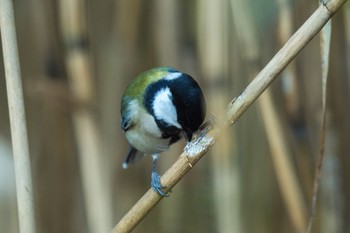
{"type": "Point", "coordinates": [17, 118]}
{"type": "Point", "coordinates": [194, 151]}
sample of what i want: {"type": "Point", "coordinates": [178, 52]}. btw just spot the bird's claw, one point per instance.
{"type": "Point", "coordinates": [157, 186]}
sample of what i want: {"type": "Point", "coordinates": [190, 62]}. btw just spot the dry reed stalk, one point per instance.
{"type": "Point", "coordinates": [17, 118]}
{"type": "Point", "coordinates": [347, 38]}
{"type": "Point", "coordinates": [80, 74]}
{"type": "Point", "coordinates": [283, 166]}
{"type": "Point", "coordinates": [289, 81]}
{"type": "Point", "coordinates": [281, 156]}
{"type": "Point", "coordinates": [292, 190]}
{"type": "Point", "coordinates": [213, 40]}
{"type": "Point", "coordinates": [195, 150]}
{"type": "Point", "coordinates": [325, 50]}
{"type": "Point", "coordinates": [167, 38]}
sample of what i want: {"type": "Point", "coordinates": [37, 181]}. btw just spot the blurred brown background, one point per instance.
{"type": "Point", "coordinates": [78, 56]}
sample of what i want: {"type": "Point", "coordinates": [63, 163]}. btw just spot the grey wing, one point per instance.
{"type": "Point", "coordinates": [132, 156]}
{"type": "Point", "coordinates": [126, 121]}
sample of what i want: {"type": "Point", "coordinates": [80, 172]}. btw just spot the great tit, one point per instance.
{"type": "Point", "coordinates": [158, 108]}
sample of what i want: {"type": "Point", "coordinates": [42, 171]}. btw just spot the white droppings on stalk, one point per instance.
{"type": "Point", "coordinates": [198, 146]}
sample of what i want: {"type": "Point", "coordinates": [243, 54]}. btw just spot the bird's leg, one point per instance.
{"type": "Point", "coordinates": [155, 180]}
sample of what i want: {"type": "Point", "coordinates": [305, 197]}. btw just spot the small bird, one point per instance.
{"type": "Point", "coordinates": [158, 108]}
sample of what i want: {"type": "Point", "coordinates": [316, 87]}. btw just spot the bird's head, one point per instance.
{"type": "Point", "coordinates": [175, 100]}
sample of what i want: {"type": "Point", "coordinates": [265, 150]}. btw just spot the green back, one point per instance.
{"type": "Point", "coordinates": [137, 88]}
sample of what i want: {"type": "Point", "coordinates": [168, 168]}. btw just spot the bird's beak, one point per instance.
{"type": "Point", "coordinates": [188, 135]}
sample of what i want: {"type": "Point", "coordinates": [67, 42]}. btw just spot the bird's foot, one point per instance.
{"type": "Point", "coordinates": [157, 186]}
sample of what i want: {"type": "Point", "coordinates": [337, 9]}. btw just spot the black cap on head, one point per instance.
{"type": "Point", "coordinates": [189, 102]}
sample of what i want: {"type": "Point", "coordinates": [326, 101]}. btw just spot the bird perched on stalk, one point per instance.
{"type": "Point", "coordinates": [158, 108]}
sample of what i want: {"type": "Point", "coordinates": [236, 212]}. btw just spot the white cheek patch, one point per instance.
{"type": "Point", "coordinates": [172, 76]}
{"type": "Point", "coordinates": [164, 108]}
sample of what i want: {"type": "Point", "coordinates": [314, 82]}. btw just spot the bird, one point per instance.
{"type": "Point", "coordinates": [158, 108]}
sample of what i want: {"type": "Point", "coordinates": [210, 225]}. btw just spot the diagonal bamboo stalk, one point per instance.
{"type": "Point", "coordinates": [194, 151]}
{"type": "Point", "coordinates": [17, 118]}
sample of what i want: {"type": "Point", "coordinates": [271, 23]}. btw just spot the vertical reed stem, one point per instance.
{"type": "Point", "coordinates": [17, 118]}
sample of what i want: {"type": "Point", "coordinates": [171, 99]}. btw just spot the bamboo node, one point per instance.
{"type": "Point", "coordinates": [189, 163]}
